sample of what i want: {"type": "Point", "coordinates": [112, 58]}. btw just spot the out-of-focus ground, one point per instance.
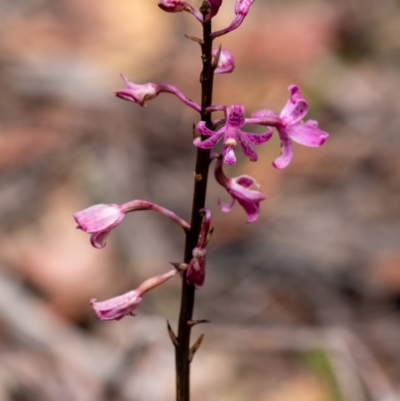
{"type": "Point", "coordinates": [304, 303]}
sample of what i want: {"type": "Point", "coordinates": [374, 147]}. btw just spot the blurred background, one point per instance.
{"type": "Point", "coordinates": [304, 303]}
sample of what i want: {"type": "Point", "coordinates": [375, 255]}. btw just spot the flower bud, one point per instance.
{"type": "Point", "coordinates": [226, 62]}
{"type": "Point", "coordinates": [214, 8]}
{"type": "Point", "coordinates": [172, 6]}
{"type": "Point", "coordinates": [99, 220]}
{"type": "Point", "coordinates": [196, 271]}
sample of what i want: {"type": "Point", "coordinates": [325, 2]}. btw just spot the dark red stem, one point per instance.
{"type": "Point", "coordinates": [199, 198]}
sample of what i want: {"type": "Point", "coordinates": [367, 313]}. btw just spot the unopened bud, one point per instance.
{"type": "Point", "coordinates": [172, 6]}
{"type": "Point", "coordinates": [226, 62]}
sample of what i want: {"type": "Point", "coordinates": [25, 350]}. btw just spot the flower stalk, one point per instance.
{"type": "Point", "coordinates": [182, 350]}
{"type": "Point", "coordinates": [99, 220]}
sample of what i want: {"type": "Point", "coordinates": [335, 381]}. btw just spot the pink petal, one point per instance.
{"type": "Point", "coordinates": [118, 307]}
{"type": "Point", "coordinates": [99, 217]}
{"type": "Point", "coordinates": [295, 108]}
{"type": "Point", "coordinates": [307, 134]}
{"type": "Point", "coordinates": [229, 156]}
{"type": "Point", "coordinates": [226, 62]}
{"type": "Point", "coordinates": [242, 6]}
{"type": "Point", "coordinates": [203, 130]}
{"type": "Point", "coordinates": [259, 139]}
{"type": "Point", "coordinates": [246, 181]}
{"type": "Point", "coordinates": [252, 209]}
{"type": "Point", "coordinates": [236, 117]}
{"type": "Point", "coordinates": [238, 192]}
{"type": "Point", "coordinates": [98, 240]}
{"type": "Point", "coordinates": [248, 198]}
{"type": "Point", "coordinates": [226, 207]}
{"type": "Point", "coordinates": [246, 146]}
{"type": "Point", "coordinates": [264, 113]}
{"type": "Point", "coordinates": [209, 142]}
{"type": "Point", "coordinates": [286, 153]}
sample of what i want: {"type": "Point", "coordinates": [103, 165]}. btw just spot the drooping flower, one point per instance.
{"type": "Point", "coordinates": [118, 307]}
{"type": "Point", "coordinates": [141, 93]}
{"type": "Point", "coordinates": [233, 135]}
{"type": "Point", "coordinates": [226, 62]}
{"type": "Point", "coordinates": [176, 6]}
{"type": "Point", "coordinates": [239, 189]}
{"type": "Point", "coordinates": [242, 8]}
{"type": "Point", "coordinates": [290, 127]}
{"type": "Point", "coordinates": [196, 270]}
{"type": "Point", "coordinates": [99, 220]}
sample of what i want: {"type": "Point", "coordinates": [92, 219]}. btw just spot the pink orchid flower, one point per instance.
{"type": "Point", "coordinates": [239, 189]}
{"type": "Point", "coordinates": [122, 305]}
{"type": "Point", "coordinates": [99, 220]}
{"type": "Point", "coordinates": [290, 127]}
{"type": "Point", "coordinates": [233, 135]}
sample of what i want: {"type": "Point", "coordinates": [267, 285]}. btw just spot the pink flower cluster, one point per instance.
{"type": "Point", "coordinates": [100, 220]}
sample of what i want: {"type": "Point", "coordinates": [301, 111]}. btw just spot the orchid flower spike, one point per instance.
{"type": "Point", "coordinates": [226, 62]}
{"type": "Point", "coordinates": [176, 6]}
{"type": "Point", "coordinates": [290, 127]}
{"type": "Point", "coordinates": [233, 135]}
{"type": "Point", "coordinates": [141, 93]}
{"type": "Point", "coordinates": [118, 307]}
{"type": "Point", "coordinates": [99, 220]}
{"type": "Point", "coordinates": [242, 8]}
{"type": "Point", "coordinates": [238, 188]}
{"type": "Point", "coordinates": [196, 270]}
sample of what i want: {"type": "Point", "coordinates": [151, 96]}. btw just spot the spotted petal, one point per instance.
{"type": "Point", "coordinates": [259, 139]}
{"type": "Point", "coordinates": [295, 108]}
{"type": "Point", "coordinates": [209, 142]}
{"type": "Point", "coordinates": [203, 130]}
{"type": "Point", "coordinates": [236, 117]}
{"type": "Point", "coordinates": [246, 145]}
{"type": "Point", "coordinates": [286, 153]}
